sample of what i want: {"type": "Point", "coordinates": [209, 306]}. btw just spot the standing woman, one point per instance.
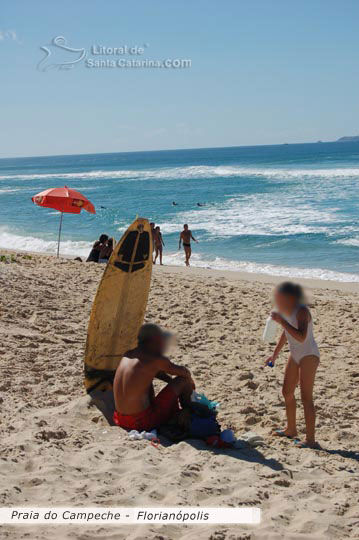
{"type": "Point", "coordinates": [153, 234]}
{"type": "Point", "coordinates": [159, 243]}
{"type": "Point", "coordinates": [297, 323]}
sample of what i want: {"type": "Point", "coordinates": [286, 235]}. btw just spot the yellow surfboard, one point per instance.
{"type": "Point", "coordinates": [119, 306]}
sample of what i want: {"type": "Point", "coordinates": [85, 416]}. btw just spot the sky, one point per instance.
{"type": "Point", "coordinates": [262, 72]}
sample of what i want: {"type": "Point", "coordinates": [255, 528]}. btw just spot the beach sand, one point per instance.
{"type": "Point", "coordinates": [57, 450]}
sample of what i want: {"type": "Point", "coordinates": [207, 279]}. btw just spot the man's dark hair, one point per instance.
{"type": "Point", "coordinates": [103, 238]}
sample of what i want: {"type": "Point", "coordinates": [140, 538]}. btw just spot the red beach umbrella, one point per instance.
{"type": "Point", "coordinates": [63, 199]}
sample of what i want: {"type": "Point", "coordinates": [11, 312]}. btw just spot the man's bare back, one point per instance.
{"type": "Point", "coordinates": [133, 384]}
{"type": "Point", "coordinates": [137, 407]}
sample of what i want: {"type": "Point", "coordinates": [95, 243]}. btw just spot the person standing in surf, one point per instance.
{"type": "Point", "coordinates": [153, 234]}
{"type": "Point", "coordinates": [186, 236]}
{"type": "Point", "coordinates": [159, 244]}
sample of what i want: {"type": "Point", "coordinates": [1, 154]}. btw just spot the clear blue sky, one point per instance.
{"type": "Point", "coordinates": [262, 72]}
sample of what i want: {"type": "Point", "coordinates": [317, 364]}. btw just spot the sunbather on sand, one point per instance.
{"type": "Point", "coordinates": [137, 407]}
{"type": "Point", "coordinates": [96, 249]}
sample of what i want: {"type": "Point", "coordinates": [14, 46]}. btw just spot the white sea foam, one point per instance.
{"type": "Point", "coordinates": [8, 190]}
{"type": "Point", "coordinates": [349, 242]}
{"type": "Point", "coordinates": [177, 259]}
{"type": "Point", "coordinates": [39, 245]}
{"type": "Point", "coordinates": [260, 214]}
{"type": "Point", "coordinates": [81, 248]}
{"type": "Point", "coordinates": [200, 171]}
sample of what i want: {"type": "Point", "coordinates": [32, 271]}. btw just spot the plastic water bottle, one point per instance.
{"type": "Point", "coordinates": [270, 331]}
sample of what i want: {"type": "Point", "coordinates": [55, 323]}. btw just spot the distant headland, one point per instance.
{"type": "Point", "coordinates": [354, 138]}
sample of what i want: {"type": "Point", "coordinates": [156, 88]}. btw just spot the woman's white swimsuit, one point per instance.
{"type": "Point", "coordinates": [297, 348]}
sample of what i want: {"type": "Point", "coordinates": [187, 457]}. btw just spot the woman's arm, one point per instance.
{"type": "Point", "coordinates": [282, 341]}
{"type": "Point", "coordinates": [299, 333]}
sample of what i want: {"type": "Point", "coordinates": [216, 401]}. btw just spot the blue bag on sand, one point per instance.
{"type": "Point", "coordinates": [203, 400]}
{"type": "Point", "coordinates": [204, 427]}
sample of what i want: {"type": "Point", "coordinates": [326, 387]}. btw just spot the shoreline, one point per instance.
{"type": "Point", "coordinates": [238, 276]}
{"type": "Point", "coordinates": [228, 275]}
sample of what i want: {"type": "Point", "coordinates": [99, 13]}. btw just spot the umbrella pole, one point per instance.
{"type": "Point", "coordinates": [58, 242]}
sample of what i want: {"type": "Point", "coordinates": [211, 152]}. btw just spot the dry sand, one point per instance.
{"type": "Point", "coordinates": [57, 450]}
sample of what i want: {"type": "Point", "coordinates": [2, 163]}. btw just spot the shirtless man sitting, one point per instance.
{"type": "Point", "coordinates": [186, 236]}
{"type": "Point", "coordinates": [137, 407]}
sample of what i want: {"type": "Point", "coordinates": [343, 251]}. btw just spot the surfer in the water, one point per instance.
{"type": "Point", "coordinates": [137, 407]}
{"type": "Point", "coordinates": [186, 236]}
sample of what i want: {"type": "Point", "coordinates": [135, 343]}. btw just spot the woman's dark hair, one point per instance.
{"type": "Point", "coordinates": [110, 242]}
{"type": "Point", "coordinates": [291, 289]}
{"type": "Point", "coordinates": [103, 238]}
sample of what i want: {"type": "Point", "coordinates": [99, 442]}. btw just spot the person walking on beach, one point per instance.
{"type": "Point", "coordinates": [297, 323]}
{"type": "Point", "coordinates": [159, 243]}
{"type": "Point", "coordinates": [137, 407]}
{"type": "Point", "coordinates": [186, 236]}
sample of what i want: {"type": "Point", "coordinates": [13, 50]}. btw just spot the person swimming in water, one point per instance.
{"type": "Point", "coordinates": [186, 236]}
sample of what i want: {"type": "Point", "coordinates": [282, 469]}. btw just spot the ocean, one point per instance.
{"type": "Point", "coordinates": [290, 210]}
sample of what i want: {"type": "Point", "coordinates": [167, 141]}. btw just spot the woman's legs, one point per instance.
{"type": "Point", "coordinates": [290, 382]}
{"type": "Point", "coordinates": [160, 250]}
{"type": "Point", "coordinates": [155, 259]}
{"type": "Point", "coordinates": [308, 369]}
